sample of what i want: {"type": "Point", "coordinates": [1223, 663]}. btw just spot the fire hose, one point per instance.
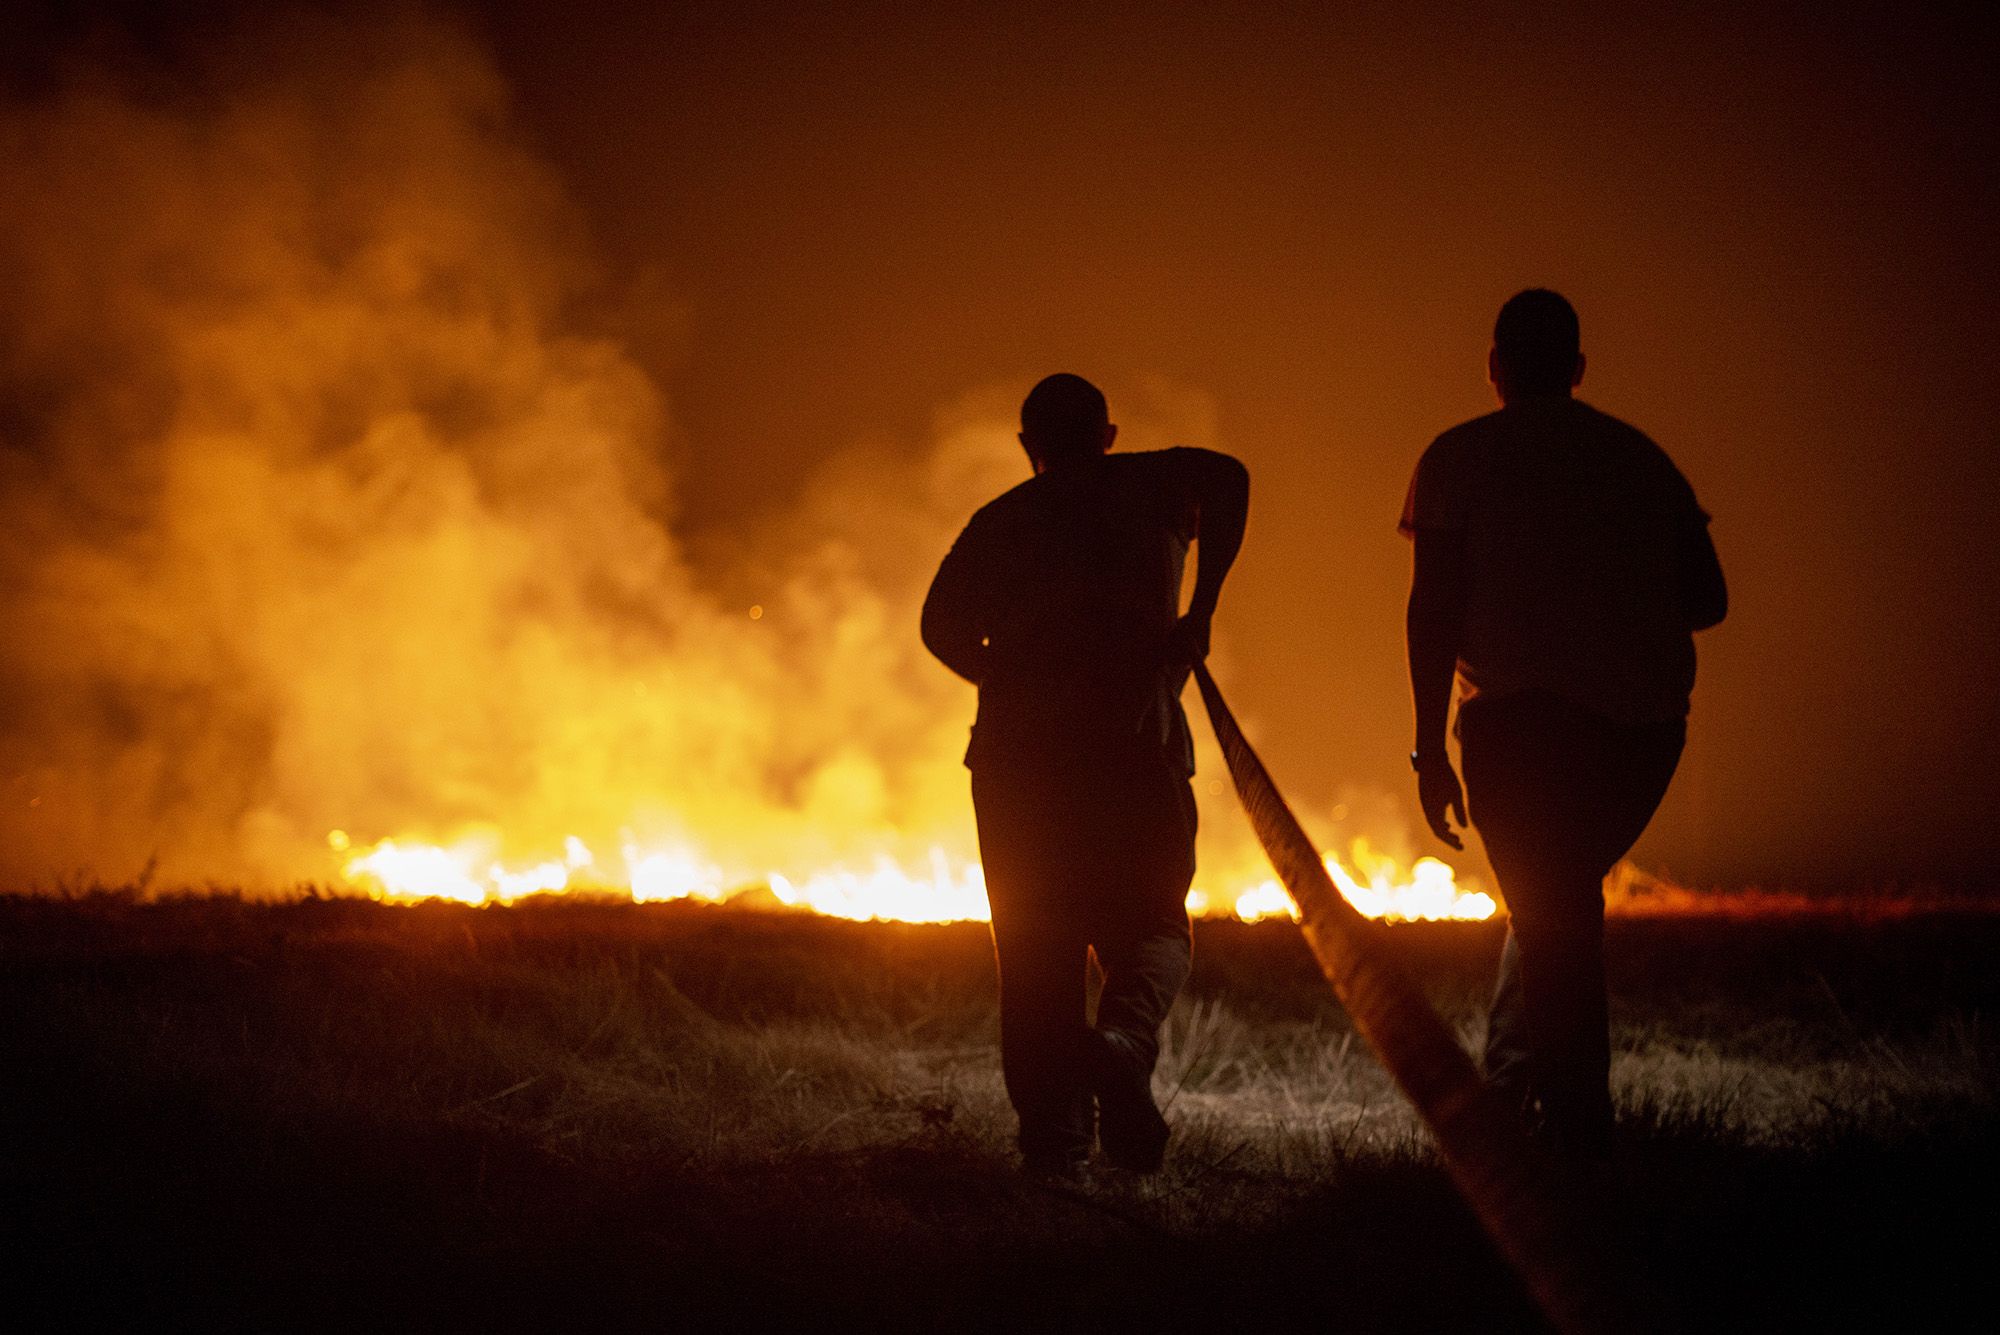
{"type": "Point", "coordinates": [1540, 1214]}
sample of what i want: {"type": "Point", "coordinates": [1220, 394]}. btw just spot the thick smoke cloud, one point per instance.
{"type": "Point", "coordinates": [321, 510]}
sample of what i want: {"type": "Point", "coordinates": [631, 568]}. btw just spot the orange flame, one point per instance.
{"type": "Point", "coordinates": [946, 890]}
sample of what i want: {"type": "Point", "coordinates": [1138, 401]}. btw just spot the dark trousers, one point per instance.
{"type": "Point", "coordinates": [1559, 794]}
{"type": "Point", "coordinates": [1079, 861]}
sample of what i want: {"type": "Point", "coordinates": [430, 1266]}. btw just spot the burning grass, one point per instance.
{"type": "Point", "coordinates": [567, 1110]}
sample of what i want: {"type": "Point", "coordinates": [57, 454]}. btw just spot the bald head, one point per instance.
{"type": "Point", "coordinates": [1537, 345]}
{"type": "Point", "coordinates": [1065, 417]}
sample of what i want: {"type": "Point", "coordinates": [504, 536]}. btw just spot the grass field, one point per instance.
{"type": "Point", "coordinates": [332, 1112]}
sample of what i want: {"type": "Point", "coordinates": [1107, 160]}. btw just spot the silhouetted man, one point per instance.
{"type": "Point", "coordinates": [1060, 601]}
{"type": "Point", "coordinates": [1562, 565]}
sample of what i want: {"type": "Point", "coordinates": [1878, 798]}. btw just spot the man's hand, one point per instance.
{"type": "Point", "coordinates": [1187, 642]}
{"type": "Point", "coordinates": [1438, 792]}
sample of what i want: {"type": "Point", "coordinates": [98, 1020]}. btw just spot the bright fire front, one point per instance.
{"type": "Point", "coordinates": [944, 890]}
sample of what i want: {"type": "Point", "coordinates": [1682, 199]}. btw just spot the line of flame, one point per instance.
{"type": "Point", "coordinates": [947, 890]}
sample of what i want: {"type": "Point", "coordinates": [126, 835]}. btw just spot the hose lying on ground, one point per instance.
{"type": "Point", "coordinates": [1532, 1205]}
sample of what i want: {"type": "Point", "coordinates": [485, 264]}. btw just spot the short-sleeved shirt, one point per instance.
{"type": "Point", "coordinates": [1072, 579]}
{"type": "Point", "coordinates": [1574, 526]}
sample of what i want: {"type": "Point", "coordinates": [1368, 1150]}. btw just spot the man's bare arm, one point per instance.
{"type": "Point", "coordinates": [1435, 628]}
{"type": "Point", "coordinates": [1221, 489]}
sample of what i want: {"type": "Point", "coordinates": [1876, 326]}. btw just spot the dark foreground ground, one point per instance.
{"type": "Point", "coordinates": [332, 1113]}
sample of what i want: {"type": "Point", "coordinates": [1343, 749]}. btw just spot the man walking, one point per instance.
{"type": "Point", "coordinates": [1060, 601]}
{"type": "Point", "coordinates": [1561, 567]}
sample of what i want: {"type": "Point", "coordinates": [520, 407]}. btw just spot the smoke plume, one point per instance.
{"type": "Point", "coordinates": [322, 511]}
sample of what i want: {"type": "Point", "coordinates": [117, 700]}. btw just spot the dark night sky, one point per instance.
{"type": "Point", "coordinates": [1777, 225]}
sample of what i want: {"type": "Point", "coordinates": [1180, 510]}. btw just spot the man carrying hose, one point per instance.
{"type": "Point", "coordinates": [1562, 565]}
{"type": "Point", "coordinates": [1060, 601]}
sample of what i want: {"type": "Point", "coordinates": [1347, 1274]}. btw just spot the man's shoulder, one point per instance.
{"type": "Point", "coordinates": [1012, 501]}
{"type": "Point", "coordinates": [1151, 463]}
{"type": "Point", "coordinates": [1481, 427]}
{"type": "Point", "coordinates": [1615, 430]}
{"type": "Point", "coordinates": [1641, 455]}
{"type": "Point", "coordinates": [1469, 437]}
